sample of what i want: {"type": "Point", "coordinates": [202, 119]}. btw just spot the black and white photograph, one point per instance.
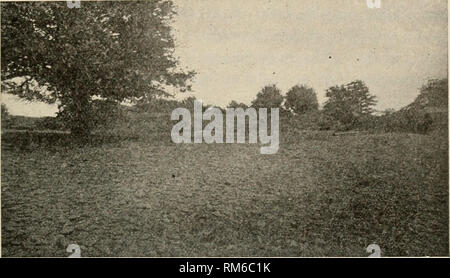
{"type": "Point", "coordinates": [224, 129]}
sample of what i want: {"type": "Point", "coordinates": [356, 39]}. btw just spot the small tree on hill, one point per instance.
{"type": "Point", "coordinates": [349, 103]}
{"type": "Point", "coordinates": [434, 94]}
{"type": "Point", "coordinates": [429, 110]}
{"type": "Point", "coordinates": [301, 99]}
{"type": "Point", "coordinates": [235, 104]}
{"type": "Point", "coordinates": [269, 97]}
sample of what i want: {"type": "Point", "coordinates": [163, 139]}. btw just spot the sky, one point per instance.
{"type": "Point", "coordinates": [237, 47]}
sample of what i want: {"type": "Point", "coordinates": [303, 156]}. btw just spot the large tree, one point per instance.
{"type": "Point", "coordinates": [301, 99]}
{"type": "Point", "coordinates": [109, 50]}
{"type": "Point", "coordinates": [348, 103]}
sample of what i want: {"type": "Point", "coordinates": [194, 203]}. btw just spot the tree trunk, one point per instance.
{"type": "Point", "coordinates": [81, 117]}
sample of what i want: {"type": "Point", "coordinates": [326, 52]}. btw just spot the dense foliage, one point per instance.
{"type": "Point", "coordinates": [109, 50]}
{"type": "Point", "coordinates": [269, 97]}
{"type": "Point", "coordinates": [349, 103]}
{"type": "Point", "coordinates": [301, 99]}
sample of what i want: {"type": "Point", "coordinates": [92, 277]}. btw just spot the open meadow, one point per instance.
{"type": "Point", "coordinates": [320, 195]}
{"type": "Point", "coordinates": [334, 114]}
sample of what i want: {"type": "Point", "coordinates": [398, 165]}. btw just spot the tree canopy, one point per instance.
{"type": "Point", "coordinates": [108, 50]}
{"type": "Point", "coordinates": [428, 111]}
{"type": "Point", "coordinates": [301, 99]}
{"type": "Point", "coordinates": [348, 103]}
{"type": "Point", "coordinates": [235, 104]}
{"type": "Point", "coordinates": [269, 97]}
{"type": "Point", "coordinates": [434, 94]}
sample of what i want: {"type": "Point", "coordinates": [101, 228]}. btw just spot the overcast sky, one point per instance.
{"type": "Point", "coordinates": [238, 46]}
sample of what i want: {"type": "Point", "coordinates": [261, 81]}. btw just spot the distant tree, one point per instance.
{"type": "Point", "coordinates": [428, 110]}
{"type": "Point", "coordinates": [5, 117]}
{"type": "Point", "coordinates": [349, 103]}
{"type": "Point", "coordinates": [235, 104]}
{"type": "Point", "coordinates": [388, 111]}
{"type": "Point", "coordinates": [434, 94]}
{"type": "Point", "coordinates": [108, 49]}
{"type": "Point", "coordinates": [5, 112]}
{"type": "Point", "coordinates": [301, 99]}
{"type": "Point", "coordinates": [269, 97]}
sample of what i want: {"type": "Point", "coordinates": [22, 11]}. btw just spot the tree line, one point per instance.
{"type": "Point", "coordinates": [351, 106]}
{"type": "Point", "coordinates": [92, 59]}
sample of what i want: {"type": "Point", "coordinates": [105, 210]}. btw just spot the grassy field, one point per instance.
{"type": "Point", "coordinates": [320, 195]}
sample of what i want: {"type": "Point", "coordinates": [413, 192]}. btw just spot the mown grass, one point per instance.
{"type": "Point", "coordinates": [320, 195]}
